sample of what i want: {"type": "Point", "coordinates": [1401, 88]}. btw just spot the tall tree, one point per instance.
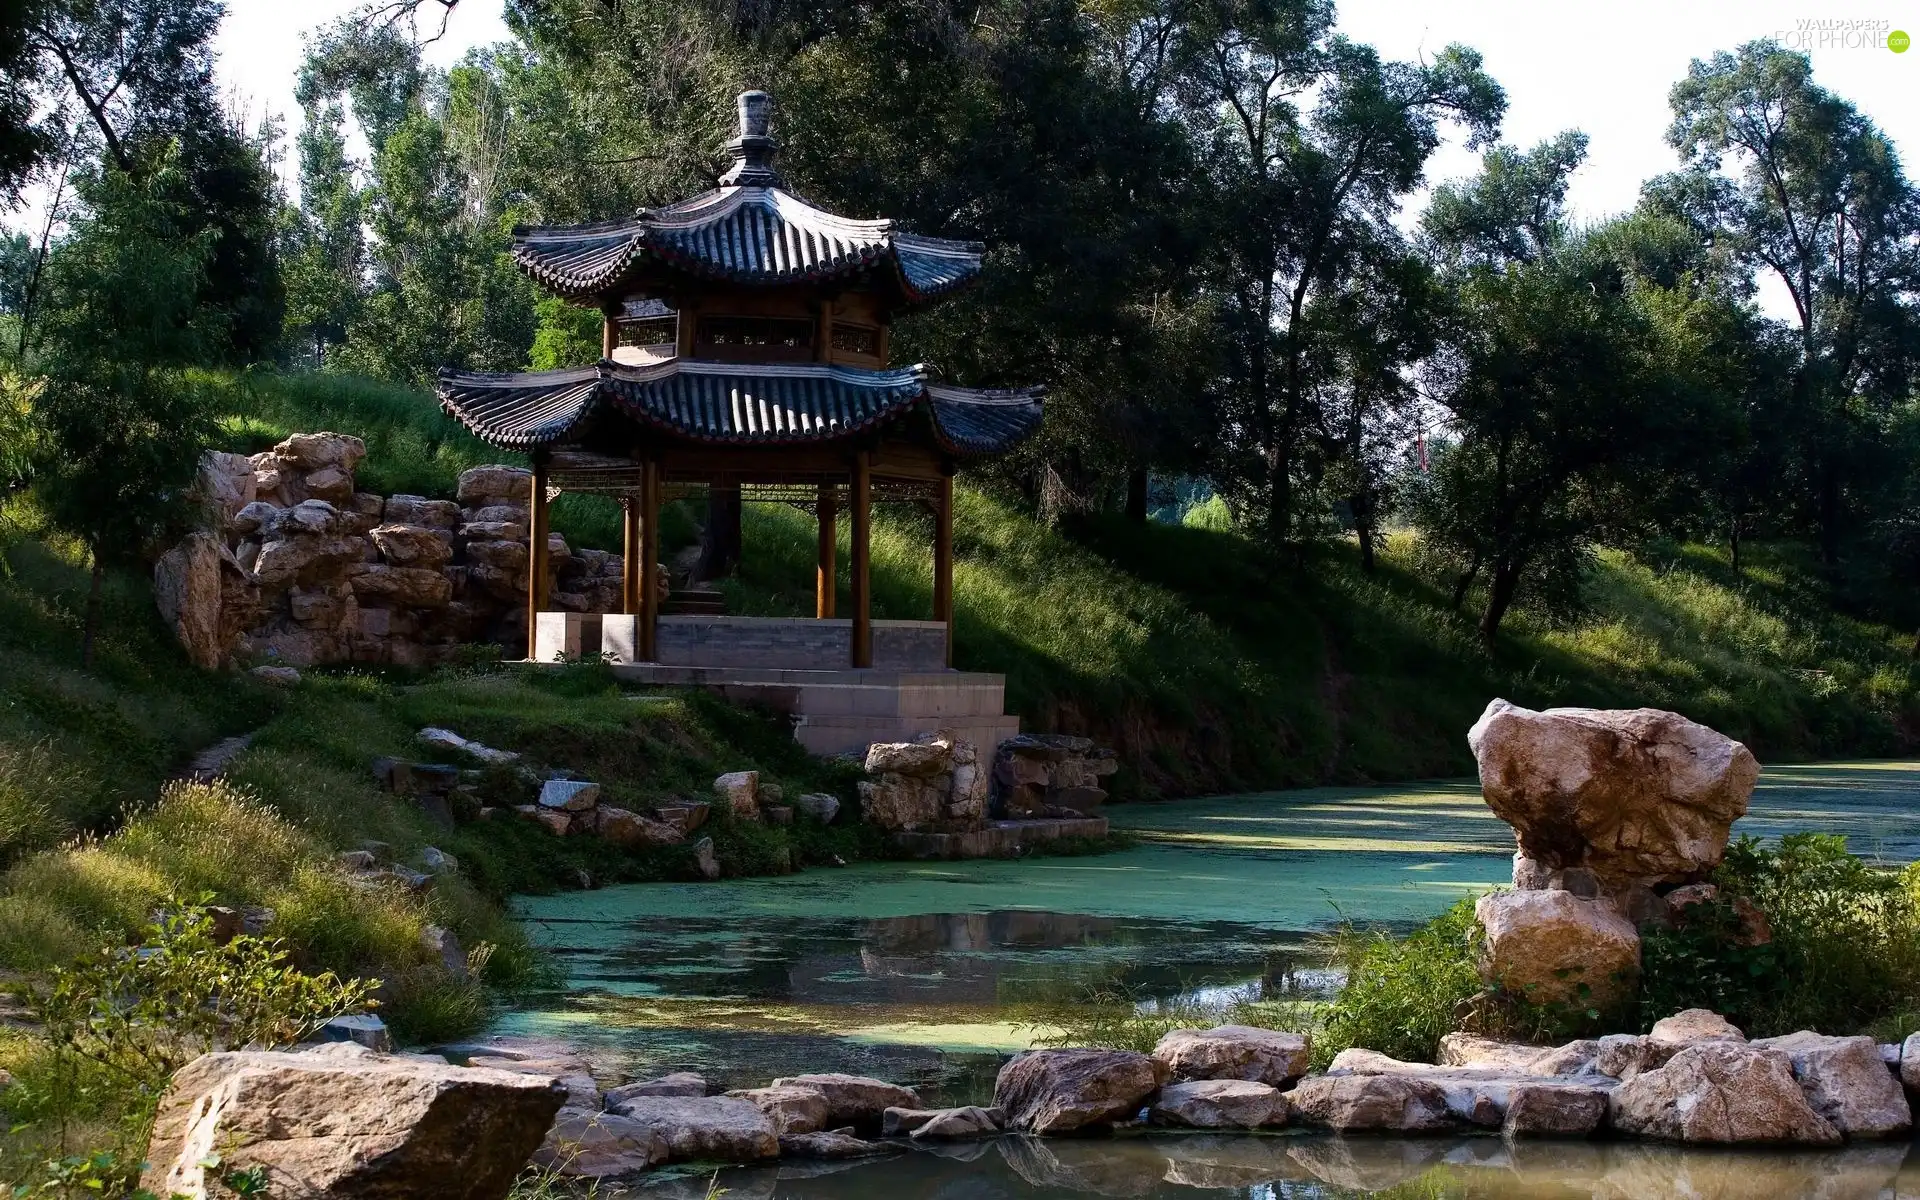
{"type": "Point", "coordinates": [1314, 141]}
{"type": "Point", "coordinates": [1804, 188]}
{"type": "Point", "coordinates": [118, 436]}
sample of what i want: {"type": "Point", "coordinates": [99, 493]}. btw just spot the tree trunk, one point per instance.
{"type": "Point", "coordinates": [1829, 513]}
{"type": "Point", "coordinates": [1137, 496]}
{"type": "Point", "coordinates": [1733, 542]}
{"type": "Point", "coordinates": [93, 613]}
{"type": "Point", "coordinates": [721, 553]}
{"type": "Point", "coordinates": [1467, 577]}
{"type": "Point", "coordinates": [1501, 587]}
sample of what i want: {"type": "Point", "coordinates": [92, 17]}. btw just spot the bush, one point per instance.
{"type": "Point", "coordinates": [1401, 994]}
{"type": "Point", "coordinates": [1844, 954]}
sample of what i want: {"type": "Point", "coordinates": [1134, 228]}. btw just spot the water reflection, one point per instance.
{"type": "Point", "coordinates": [1145, 1167]}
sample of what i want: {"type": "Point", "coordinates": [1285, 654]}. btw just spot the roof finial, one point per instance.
{"type": "Point", "coordinates": [753, 150]}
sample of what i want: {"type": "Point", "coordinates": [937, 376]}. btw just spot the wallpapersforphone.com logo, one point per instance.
{"type": "Point", "coordinates": [1844, 33]}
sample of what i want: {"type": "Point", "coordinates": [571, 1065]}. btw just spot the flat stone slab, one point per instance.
{"type": "Point", "coordinates": [998, 839]}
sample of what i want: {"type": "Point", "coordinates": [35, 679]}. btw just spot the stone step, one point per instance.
{"type": "Point", "coordinates": [852, 735]}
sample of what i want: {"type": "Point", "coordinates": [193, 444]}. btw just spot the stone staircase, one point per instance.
{"type": "Point", "coordinates": [843, 712]}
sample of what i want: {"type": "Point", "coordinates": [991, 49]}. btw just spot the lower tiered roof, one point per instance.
{"type": "Point", "coordinates": [735, 403]}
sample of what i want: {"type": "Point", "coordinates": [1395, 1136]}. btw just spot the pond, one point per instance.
{"type": "Point", "coordinates": [921, 971]}
{"type": "Point", "coordinates": [1304, 1167]}
{"type": "Point", "coordinates": [927, 973]}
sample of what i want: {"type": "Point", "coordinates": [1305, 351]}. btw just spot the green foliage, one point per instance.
{"type": "Point", "coordinates": [567, 336]}
{"type": "Point", "coordinates": [1844, 951]}
{"type": "Point", "coordinates": [140, 1014]}
{"type": "Point", "coordinates": [1401, 995]}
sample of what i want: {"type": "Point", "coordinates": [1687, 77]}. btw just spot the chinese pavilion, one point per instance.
{"type": "Point", "coordinates": [744, 355]}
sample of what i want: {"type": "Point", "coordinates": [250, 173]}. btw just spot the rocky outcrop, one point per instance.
{"type": "Point", "coordinates": [711, 1128]}
{"type": "Point", "coordinates": [1628, 795]}
{"type": "Point", "coordinates": [297, 566]}
{"type": "Point", "coordinates": [1234, 1052]}
{"type": "Point", "coordinates": [1051, 775]}
{"type": "Point", "coordinates": [587, 1143]}
{"type": "Point", "coordinates": [340, 1121]}
{"type": "Point", "coordinates": [1554, 947]}
{"type": "Point", "coordinates": [933, 782]}
{"type": "Point", "coordinates": [1846, 1082]}
{"type": "Point", "coordinates": [1553, 1110]}
{"type": "Point", "coordinates": [1219, 1104]}
{"type": "Point", "coordinates": [1720, 1092]}
{"type": "Point", "coordinates": [1060, 1091]}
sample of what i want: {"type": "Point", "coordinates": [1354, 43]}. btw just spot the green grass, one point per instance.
{"type": "Point", "coordinates": [1214, 666]}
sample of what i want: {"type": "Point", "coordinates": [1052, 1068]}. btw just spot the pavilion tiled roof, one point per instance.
{"type": "Point", "coordinates": [735, 403]}
{"type": "Point", "coordinates": [746, 235]}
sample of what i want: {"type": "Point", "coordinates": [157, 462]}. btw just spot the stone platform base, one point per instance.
{"type": "Point", "coordinates": [845, 711]}
{"type": "Point", "coordinates": [1000, 839]}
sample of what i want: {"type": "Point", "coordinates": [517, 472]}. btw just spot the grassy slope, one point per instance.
{"type": "Point", "coordinates": [1215, 667]}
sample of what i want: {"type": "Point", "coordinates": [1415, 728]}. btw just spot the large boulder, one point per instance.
{"type": "Point", "coordinates": [1846, 1082]}
{"type": "Point", "coordinates": [710, 1128]}
{"type": "Point", "coordinates": [585, 1143]}
{"type": "Point", "coordinates": [1553, 1110]}
{"type": "Point", "coordinates": [921, 759]}
{"type": "Point", "coordinates": [186, 588]}
{"type": "Point", "coordinates": [340, 1121]}
{"type": "Point", "coordinates": [481, 487]}
{"type": "Point", "coordinates": [1384, 1103]}
{"type": "Point", "coordinates": [903, 803]}
{"type": "Point", "coordinates": [1630, 795]}
{"type": "Point", "coordinates": [1059, 1091]}
{"type": "Point", "coordinates": [791, 1109]}
{"type": "Point", "coordinates": [1220, 1104]}
{"type": "Point", "coordinates": [1234, 1052]}
{"type": "Point", "coordinates": [1554, 947]}
{"type": "Point", "coordinates": [854, 1099]}
{"type": "Point", "coordinates": [320, 451]}
{"type": "Point", "coordinates": [1720, 1092]}
{"type": "Point", "coordinates": [1688, 1027]}
{"type": "Point", "coordinates": [412, 546]}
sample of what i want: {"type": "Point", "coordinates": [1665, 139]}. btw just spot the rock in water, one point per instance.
{"type": "Point", "coordinates": [1847, 1083]}
{"type": "Point", "coordinates": [340, 1122]}
{"type": "Point", "coordinates": [1551, 1110]}
{"type": "Point", "coordinates": [1220, 1104]}
{"type": "Point", "coordinates": [714, 1128]}
{"type": "Point", "coordinates": [853, 1099]}
{"type": "Point", "coordinates": [680, 1083]}
{"type": "Point", "coordinates": [1629, 794]}
{"type": "Point", "coordinates": [1234, 1052]}
{"type": "Point", "coordinates": [1374, 1103]}
{"type": "Point", "coordinates": [584, 1144]}
{"type": "Point", "coordinates": [1059, 1091]}
{"type": "Point", "coordinates": [1720, 1092]}
{"type": "Point", "coordinates": [793, 1110]}
{"type": "Point", "coordinates": [1543, 946]}
{"type": "Point", "coordinates": [834, 1145]}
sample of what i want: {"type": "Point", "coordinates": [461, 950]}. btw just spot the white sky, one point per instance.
{"type": "Point", "coordinates": [1601, 68]}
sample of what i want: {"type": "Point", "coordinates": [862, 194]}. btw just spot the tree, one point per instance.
{"type": "Point", "coordinates": [324, 246]}
{"type": "Point", "coordinates": [24, 141]}
{"type": "Point", "coordinates": [118, 436]}
{"type": "Point", "coordinates": [1313, 141]}
{"type": "Point", "coordinates": [1797, 183]}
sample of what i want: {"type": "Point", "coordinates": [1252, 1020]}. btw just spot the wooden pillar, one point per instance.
{"type": "Point", "coordinates": [823, 576]}
{"type": "Point", "coordinates": [943, 559]}
{"type": "Point", "coordinates": [649, 575]}
{"type": "Point", "coordinates": [609, 333]}
{"type": "Point", "coordinates": [862, 505]}
{"type": "Point", "coordinates": [536, 550]}
{"type": "Point", "coordinates": [630, 550]}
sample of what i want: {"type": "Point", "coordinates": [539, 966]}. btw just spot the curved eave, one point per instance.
{"type": "Point", "coordinates": [735, 404]}
{"type": "Point", "coordinates": [520, 411]}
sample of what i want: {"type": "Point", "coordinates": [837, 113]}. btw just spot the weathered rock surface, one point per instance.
{"type": "Point", "coordinates": [828, 1145]}
{"type": "Point", "coordinates": [1482, 1096]}
{"type": "Point", "coordinates": [1910, 1063]}
{"type": "Point", "coordinates": [853, 1099]}
{"type": "Point", "coordinates": [1552, 1110]}
{"type": "Point", "coordinates": [1234, 1052]}
{"type": "Point", "coordinates": [586, 1143]}
{"type": "Point", "coordinates": [943, 1124]}
{"type": "Point", "coordinates": [1556, 947]}
{"type": "Point", "coordinates": [1372, 1103]}
{"type": "Point", "coordinates": [1688, 1027]}
{"type": "Point", "coordinates": [340, 1121]}
{"type": "Point", "coordinates": [625, 828]}
{"type": "Point", "coordinates": [819, 806]}
{"type": "Point", "coordinates": [1632, 795]}
{"type": "Point", "coordinates": [1059, 1091]}
{"type": "Point", "coordinates": [1220, 1104]}
{"type": "Point", "coordinates": [739, 793]}
{"type": "Point", "coordinates": [680, 1083]}
{"type": "Point", "coordinates": [791, 1109]}
{"type": "Point", "coordinates": [569, 795]}
{"type": "Point", "coordinates": [1845, 1082]}
{"type": "Point", "coordinates": [1720, 1092]}
{"type": "Point", "coordinates": [716, 1128]}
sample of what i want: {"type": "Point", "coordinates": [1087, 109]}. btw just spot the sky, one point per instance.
{"type": "Point", "coordinates": [1604, 68]}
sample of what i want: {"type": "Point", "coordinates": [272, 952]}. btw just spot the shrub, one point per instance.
{"type": "Point", "coordinates": [1401, 994]}
{"type": "Point", "coordinates": [1845, 948]}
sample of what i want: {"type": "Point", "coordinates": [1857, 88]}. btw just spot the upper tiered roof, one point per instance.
{"type": "Point", "coordinates": [750, 231]}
